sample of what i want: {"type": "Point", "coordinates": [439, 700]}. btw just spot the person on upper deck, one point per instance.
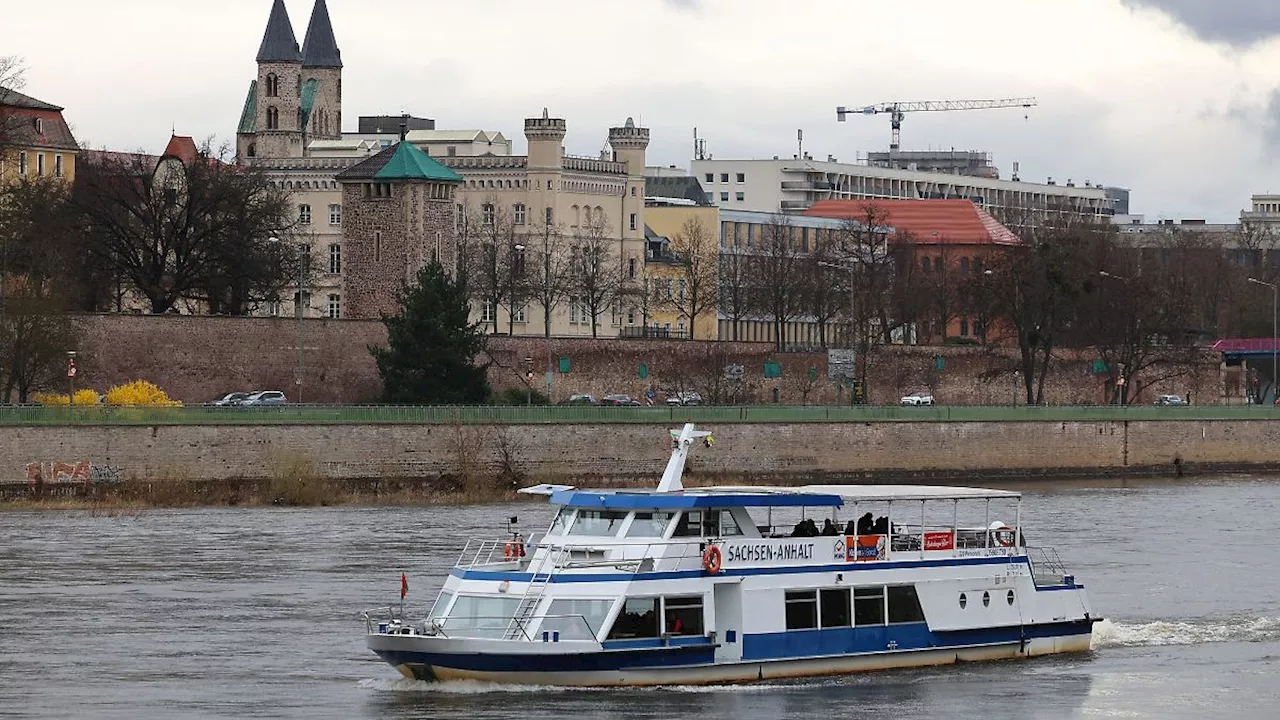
{"type": "Point", "coordinates": [866, 524]}
{"type": "Point", "coordinates": [882, 526]}
{"type": "Point", "coordinates": [829, 528]}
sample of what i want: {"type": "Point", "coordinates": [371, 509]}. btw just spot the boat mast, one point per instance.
{"type": "Point", "coordinates": [675, 466]}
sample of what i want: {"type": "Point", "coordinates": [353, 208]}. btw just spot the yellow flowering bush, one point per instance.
{"type": "Point", "coordinates": [86, 396]}
{"type": "Point", "coordinates": [51, 399]}
{"type": "Point", "coordinates": [140, 393]}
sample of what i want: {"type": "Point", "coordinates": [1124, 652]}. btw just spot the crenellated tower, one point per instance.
{"type": "Point", "coordinates": [321, 78]}
{"type": "Point", "coordinates": [545, 136]}
{"type": "Point", "coordinates": [629, 144]}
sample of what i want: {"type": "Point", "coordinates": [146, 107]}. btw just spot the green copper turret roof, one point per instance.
{"type": "Point", "coordinates": [401, 161]}
{"type": "Point", "coordinates": [278, 42]}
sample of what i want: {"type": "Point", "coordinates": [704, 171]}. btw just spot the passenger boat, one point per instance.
{"type": "Point", "coordinates": [739, 584]}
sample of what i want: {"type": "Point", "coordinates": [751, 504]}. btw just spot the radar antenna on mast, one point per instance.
{"type": "Point", "coordinates": [897, 111]}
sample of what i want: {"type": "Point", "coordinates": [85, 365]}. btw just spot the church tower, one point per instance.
{"type": "Point", "coordinates": [321, 78]}
{"type": "Point", "coordinates": [270, 123]}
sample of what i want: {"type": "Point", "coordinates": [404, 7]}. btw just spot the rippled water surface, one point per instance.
{"type": "Point", "coordinates": [254, 613]}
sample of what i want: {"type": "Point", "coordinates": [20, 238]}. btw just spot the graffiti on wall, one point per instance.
{"type": "Point", "coordinates": [84, 473]}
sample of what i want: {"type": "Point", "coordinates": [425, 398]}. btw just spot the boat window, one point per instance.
{"type": "Point", "coordinates": [683, 615]}
{"type": "Point", "coordinates": [442, 604]}
{"type": "Point", "coordinates": [835, 607]}
{"type": "Point", "coordinates": [904, 606]}
{"type": "Point", "coordinates": [576, 619]}
{"type": "Point", "coordinates": [481, 616]}
{"type": "Point", "coordinates": [598, 522]}
{"type": "Point", "coordinates": [868, 606]}
{"type": "Point", "coordinates": [690, 524]}
{"type": "Point", "coordinates": [561, 521]}
{"type": "Point", "coordinates": [649, 524]}
{"type": "Point", "coordinates": [802, 609]}
{"type": "Point", "coordinates": [728, 524]}
{"type": "Point", "coordinates": [638, 619]}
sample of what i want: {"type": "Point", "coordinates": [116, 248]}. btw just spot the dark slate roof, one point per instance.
{"type": "Point", "coordinates": [320, 48]}
{"type": "Point", "coordinates": [13, 98]}
{"type": "Point", "coordinates": [278, 42]}
{"type": "Point", "coordinates": [687, 188]}
{"type": "Point", "coordinates": [401, 161]}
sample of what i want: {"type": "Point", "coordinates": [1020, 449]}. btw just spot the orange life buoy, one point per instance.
{"type": "Point", "coordinates": [509, 551]}
{"type": "Point", "coordinates": [712, 560]}
{"type": "Point", "coordinates": [1004, 535]}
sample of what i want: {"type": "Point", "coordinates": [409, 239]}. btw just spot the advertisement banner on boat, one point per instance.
{"type": "Point", "coordinates": [768, 553]}
{"type": "Point", "coordinates": [940, 540]}
{"type": "Point", "coordinates": [868, 547]}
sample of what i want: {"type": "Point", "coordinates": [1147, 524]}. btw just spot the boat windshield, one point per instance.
{"type": "Point", "coordinates": [599, 523]}
{"type": "Point", "coordinates": [649, 524]}
{"type": "Point", "coordinates": [707, 523]}
{"type": "Point", "coordinates": [561, 521]}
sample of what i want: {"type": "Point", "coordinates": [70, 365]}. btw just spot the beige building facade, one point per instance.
{"type": "Point", "coordinates": [291, 130]}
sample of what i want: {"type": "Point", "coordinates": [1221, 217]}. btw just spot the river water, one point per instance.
{"type": "Point", "coordinates": [254, 613]}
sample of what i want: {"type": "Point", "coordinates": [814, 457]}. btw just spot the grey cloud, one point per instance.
{"type": "Point", "coordinates": [1238, 23]}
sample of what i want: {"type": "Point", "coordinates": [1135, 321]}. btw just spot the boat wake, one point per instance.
{"type": "Point", "coordinates": [1108, 634]}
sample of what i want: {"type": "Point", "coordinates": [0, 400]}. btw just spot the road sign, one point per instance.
{"type": "Point", "coordinates": [71, 368]}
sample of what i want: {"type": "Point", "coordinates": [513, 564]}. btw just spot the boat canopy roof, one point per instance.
{"type": "Point", "coordinates": [804, 496]}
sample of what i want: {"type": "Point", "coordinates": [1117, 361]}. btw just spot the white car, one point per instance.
{"type": "Point", "coordinates": [916, 399]}
{"type": "Point", "coordinates": [684, 397]}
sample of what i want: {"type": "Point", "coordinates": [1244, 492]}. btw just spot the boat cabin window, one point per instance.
{"type": "Point", "coordinates": [638, 619]}
{"type": "Point", "coordinates": [683, 615]}
{"type": "Point", "coordinates": [904, 606]}
{"type": "Point", "coordinates": [835, 607]}
{"type": "Point", "coordinates": [561, 521]}
{"type": "Point", "coordinates": [598, 522]}
{"type": "Point", "coordinates": [442, 604]}
{"type": "Point", "coordinates": [485, 616]}
{"type": "Point", "coordinates": [707, 523]}
{"type": "Point", "coordinates": [576, 619]}
{"type": "Point", "coordinates": [868, 606]}
{"type": "Point", "coordinates": [802, 609]}
{"type": "Point", "coordinates": [649, 524]}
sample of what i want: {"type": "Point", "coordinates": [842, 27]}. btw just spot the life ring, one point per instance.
{"type": "Point", "coordinates": [509, 551]}
{"type": "Point", "coordinates": [712, 560]}
{"type": "Point", "coordinates": [1004, 535]}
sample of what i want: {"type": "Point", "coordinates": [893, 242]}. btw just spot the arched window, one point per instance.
{"type": "Point", "coordinates": [253, 150]}
{"type": "Point", "coordinates": [273, 85]}
{"type": "Point", "coordinates": [273, 118]}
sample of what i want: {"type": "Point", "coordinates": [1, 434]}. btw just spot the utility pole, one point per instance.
{"type": "Point", "coordinates": [1275, 328]}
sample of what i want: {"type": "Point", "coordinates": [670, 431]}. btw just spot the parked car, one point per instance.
{"type": "Point", "coordinates": [581, 399]}
{"type": "Point", "coordinates": [234, 398]}
{"type": "Point", "coordinates": [684, 397]}
{"type": "Point", "coordinates": [264, 397]}
{"type": "Point", "coordinates": [917, 399]}
{"type": "Point", "coordinates": [622, 400]}
{"type": "Point", "coordinates": [1171, 400]}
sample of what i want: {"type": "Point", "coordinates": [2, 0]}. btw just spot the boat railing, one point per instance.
{"type": "Point", "coordinates": [647, 560]}
{"type": "Point", "coordinates": [488, 552]}
{"type": "Point", "coordinates": [552, 627]}
{"type": "Point", "coordinates": [1046, 567]}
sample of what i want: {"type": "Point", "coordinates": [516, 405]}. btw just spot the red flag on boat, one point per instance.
{"type": "Point", "coordinates": [404, 586]}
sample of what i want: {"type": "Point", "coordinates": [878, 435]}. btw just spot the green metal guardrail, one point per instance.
{"type": "Point", "coordinates": [30, 415]}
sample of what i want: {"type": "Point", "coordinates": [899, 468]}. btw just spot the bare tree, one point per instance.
{"type": "Point", "coordinates": [777, 273]}
{"type": "Point", "coordinates": [695, 252]}
{"type": "Point", "coordinates": [550, 271]}
{"type": "Point", "coordinates": [202, 229]}
{"type": "Point", "coordinates": [11, 80]}
{"type": "Point", "coordinates": [497, 266]}
{"type": "Point", "coordinates": [735, 290]}
{"type": "Point", "coordinates": [826, 287]}
{"type": "Point", "coordinates": [468, 235]}
{"type": "Point", "coordinates": [597, 269]}
{"type": "Point", "coordinates": [866, 258]}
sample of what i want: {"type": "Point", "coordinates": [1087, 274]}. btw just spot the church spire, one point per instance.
{"type": "Point", "coordinates": [278, 42]}
{"type": "Point", "coordinates": [320, 48]}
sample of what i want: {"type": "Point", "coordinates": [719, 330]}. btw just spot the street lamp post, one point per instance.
{"type": "Point", "coordinates": [1275, 328]}
{"type": "Point", "coordinates": [1124, 381]}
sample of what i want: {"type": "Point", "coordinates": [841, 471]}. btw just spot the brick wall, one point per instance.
{"type": "Point", "coordinates": [198, 358]}
{"type": "Point", "coordinates": [812, 452]}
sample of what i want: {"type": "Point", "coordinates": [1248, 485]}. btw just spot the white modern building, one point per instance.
{"type": "Point", "coordinates": [792, 185]}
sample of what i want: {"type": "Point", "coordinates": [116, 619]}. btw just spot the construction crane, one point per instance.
{"type": "Point", "coordinates": [897, 110]}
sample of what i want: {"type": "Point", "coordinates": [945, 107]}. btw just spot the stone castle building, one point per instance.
{"type": "Point", "coordinates": [291, 128]}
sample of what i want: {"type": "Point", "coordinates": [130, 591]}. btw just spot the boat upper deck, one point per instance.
{"type": "Point", "coordinates": [743, 496]}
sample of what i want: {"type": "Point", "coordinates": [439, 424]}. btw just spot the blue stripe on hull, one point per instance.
{"type": "Point", "coordinates": [794, 644]}
{"type": "Point", "coordinates": [577, 662]}
{"type": "Point", "coordinates": [742, 572]}
{"type": "Point", "coordinates": [760, 647]}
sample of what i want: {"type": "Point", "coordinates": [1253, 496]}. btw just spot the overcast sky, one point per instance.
{"type": "Point", "coordinates": [1177, 99]}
